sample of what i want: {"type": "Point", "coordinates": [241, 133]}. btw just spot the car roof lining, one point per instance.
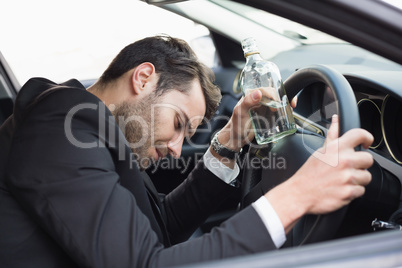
{"type": "Point", "coordinates": [324, 16]}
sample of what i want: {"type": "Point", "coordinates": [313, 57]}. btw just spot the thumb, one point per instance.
{"type": "Point", "coordinates": [252, 99]}
{"type": "Point", "coordinates": [333, 132]}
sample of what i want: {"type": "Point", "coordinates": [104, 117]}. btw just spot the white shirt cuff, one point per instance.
{"type": "Point", "coordinates": [220, 170]}
{"type": "Point", "coordinates": [271, 221]}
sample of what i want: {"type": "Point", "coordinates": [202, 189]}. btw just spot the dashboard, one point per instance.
{"type": "Point", "coordinates": [379, 103]}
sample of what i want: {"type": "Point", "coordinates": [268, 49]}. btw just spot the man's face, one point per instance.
{"type": "Point", "coordinates": [156, 126]}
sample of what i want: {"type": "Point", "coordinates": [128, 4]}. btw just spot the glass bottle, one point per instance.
{"type": "Point", "coordinates": [272, 119]}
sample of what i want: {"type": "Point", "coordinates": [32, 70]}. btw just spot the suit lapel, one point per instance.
{"type": "Point", "coordinates": [141, 186]}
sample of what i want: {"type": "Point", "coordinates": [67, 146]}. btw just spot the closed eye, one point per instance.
{"type": "Point", "coordinates": [178, 123]}
{"type": "Point", "coordinates": [181, 126]}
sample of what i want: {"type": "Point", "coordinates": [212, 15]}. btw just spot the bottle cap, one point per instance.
{"type": "Point", "coordinates": [249, 46]}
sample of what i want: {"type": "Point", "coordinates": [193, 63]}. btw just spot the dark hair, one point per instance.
{"type": "Point", "coordinates": [174, 61]}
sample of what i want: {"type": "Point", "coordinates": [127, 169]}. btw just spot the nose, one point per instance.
{"type": "Point", "coordinates": [175, 147]}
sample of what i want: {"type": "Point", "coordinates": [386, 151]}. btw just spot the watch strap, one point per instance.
{"type": "Point", "coordinates": [222, 150]}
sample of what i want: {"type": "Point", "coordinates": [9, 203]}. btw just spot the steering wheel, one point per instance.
{"type": "Point", "coordinates": [262, 171]}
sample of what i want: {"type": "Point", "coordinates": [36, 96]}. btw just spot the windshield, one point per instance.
{"type": "Point", "coordinates": [395, 3]}
{"type": "Point", "coordinates": [285, 27]}
{"type": "Point", "coordinates": [282, 26]}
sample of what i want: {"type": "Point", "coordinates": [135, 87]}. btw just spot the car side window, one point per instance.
{"type": "Point", "coordinates": [6, 102]}
{"type": "Point", "coordinates": [205, 49]}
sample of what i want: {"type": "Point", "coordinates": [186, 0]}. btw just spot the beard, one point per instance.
{"type": "Point", "coordinates": [134, 120]}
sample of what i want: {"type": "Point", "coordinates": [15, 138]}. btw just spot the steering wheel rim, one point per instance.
{"type": "Point", "coordinates": [310, 228]}
{"type": "Point", "coordinates": [336, 81]}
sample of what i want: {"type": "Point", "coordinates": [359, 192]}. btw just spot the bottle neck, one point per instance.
{"type": "Point", "coordinates": [251, 53]}
{"type": "Point", "coordinates": [255, 55]}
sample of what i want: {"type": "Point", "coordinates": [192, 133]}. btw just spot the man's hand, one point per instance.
{"type": "Point", "coordinates": [330, 179]}
{"type": "Point", "coordinates": [238, 131]}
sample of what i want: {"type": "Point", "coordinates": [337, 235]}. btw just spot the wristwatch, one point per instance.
{"type": "Point", "coordinates": [222, 150]}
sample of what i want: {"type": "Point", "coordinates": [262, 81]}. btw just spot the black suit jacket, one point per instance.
{"type": "Point", "coordinates": [71, 194]}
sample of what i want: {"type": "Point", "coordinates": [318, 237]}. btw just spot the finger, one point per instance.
{"type": "Point", "coordinates": [251, 99]}
{"type": "Point", "coordinates": [357, 191]}
{"type": "Point", "coordinates": [269, 94]}
{"type": "Point", "coordinates": [333, 132]}
{"type": "Point", "coordinates": [361, 177]}
{"type": "Point", "coordinates": [362, 160]}
{"type": "Point", "coordinates": [355, 137]}
{"type": "Point", "coordinates": [293, 103]}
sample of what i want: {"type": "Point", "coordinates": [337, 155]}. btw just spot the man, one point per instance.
{"type": "Point", "coordinates": [70, 195]}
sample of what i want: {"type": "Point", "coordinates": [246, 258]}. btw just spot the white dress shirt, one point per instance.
{"type": "Point", "coordinates": [262, 205]}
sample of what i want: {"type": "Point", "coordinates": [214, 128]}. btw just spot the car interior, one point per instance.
{"type": "Point", "coordinates": [359, 86]}
{"type": "Point", "coordinates": [7, 92]}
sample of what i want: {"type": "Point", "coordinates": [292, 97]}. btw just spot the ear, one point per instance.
{"type": "Point", "coordinates": [142, 76]}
